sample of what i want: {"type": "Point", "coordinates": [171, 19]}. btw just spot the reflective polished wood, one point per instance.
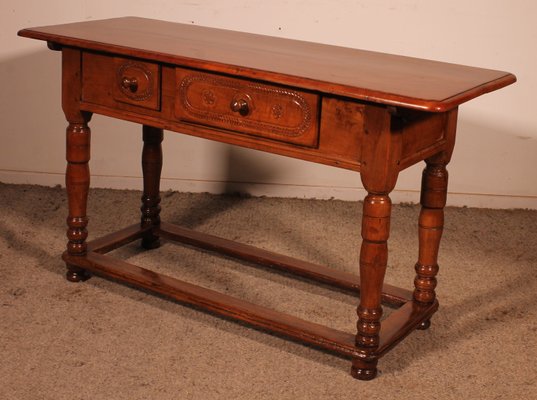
{"type": "Point", "coordinates": [373, 113]}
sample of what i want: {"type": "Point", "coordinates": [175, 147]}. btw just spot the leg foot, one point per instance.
{"type": "Point", "coordinates": [424, 325]}
{"type": "Point", "coordinates": [76, 274]}
{"type": "Point", "coordinates": [363, 370]}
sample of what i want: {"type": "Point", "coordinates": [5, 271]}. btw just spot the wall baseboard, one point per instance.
{"type": "Point", "coordinates": [479, 200]}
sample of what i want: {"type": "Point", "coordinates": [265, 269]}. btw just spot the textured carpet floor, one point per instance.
{"type": "Point", "coordinates": [103, 340]}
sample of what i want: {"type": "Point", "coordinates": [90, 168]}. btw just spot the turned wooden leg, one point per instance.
{"type": "Point", "coordinates": [434, 185]}
{"type": "Point", "coordinates": [77, 180]}
{"type": "Point", "coordinates": [431, 224]}
{"type": "Point", "coordinates": [381, 154]}
{"type": "Point", "coordinates": [151, 168]}
{"type": "Point", "coordinates": [373, 261]}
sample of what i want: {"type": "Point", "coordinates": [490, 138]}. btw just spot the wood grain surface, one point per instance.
{"type": "Point", "coordinates": [378, 77]}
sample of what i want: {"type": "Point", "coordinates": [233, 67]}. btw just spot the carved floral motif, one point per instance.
{"type": "Point", "coordinates": [208, 97]}
{"type": "Point", "coordinates": [277, 111]}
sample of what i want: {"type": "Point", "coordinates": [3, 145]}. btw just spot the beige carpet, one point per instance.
{"type": "Point", "coordinates": [103, 340]}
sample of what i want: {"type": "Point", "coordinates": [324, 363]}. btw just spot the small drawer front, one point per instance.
{"type": "Point", "coordinates": [245, 106]}
{"type": "Point", "coordinates": [137, 83]}
{"type": "Point", "coordinates": [111, 81]}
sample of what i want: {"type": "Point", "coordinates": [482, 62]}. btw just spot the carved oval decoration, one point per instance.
{"type": "Point", "coordinates": [135, 72]}
{"type": "Point", "coordinates": [273, 110]}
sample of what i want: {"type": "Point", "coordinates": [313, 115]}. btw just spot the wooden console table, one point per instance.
{"type": "Point", "coordinates": [373, 113]}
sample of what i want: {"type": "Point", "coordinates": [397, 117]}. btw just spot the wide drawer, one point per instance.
{"type": "Point", "coordinates": [249, 107]}
{"type": "Point", "coordinates": [108, 80]}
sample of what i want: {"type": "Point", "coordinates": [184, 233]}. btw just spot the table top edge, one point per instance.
{"type": "Point", "coordinates": [500, 79]}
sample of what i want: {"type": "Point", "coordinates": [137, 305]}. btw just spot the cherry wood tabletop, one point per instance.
{"type": "Point", "coordinates": [364, 75]}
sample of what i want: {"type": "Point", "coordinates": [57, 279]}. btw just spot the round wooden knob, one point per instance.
{"type": "Point", "coordinates": [241, 106]}
{"type": "Point", "coordinates": [129, 84]}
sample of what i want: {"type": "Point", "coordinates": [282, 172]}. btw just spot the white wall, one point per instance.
{"type": "Point", "coordinates": [495, 160]}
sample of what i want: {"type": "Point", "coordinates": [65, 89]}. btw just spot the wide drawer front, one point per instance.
{"type": "Point", "coordinates": [249, 107]}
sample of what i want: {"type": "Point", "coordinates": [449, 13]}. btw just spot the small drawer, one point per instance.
{"type": "Point", "coordinates": [245, 106]}
{"type": "Point", "coordinates": [108, 80]}
{"type": "Point", "coordinates": [137, 83]}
